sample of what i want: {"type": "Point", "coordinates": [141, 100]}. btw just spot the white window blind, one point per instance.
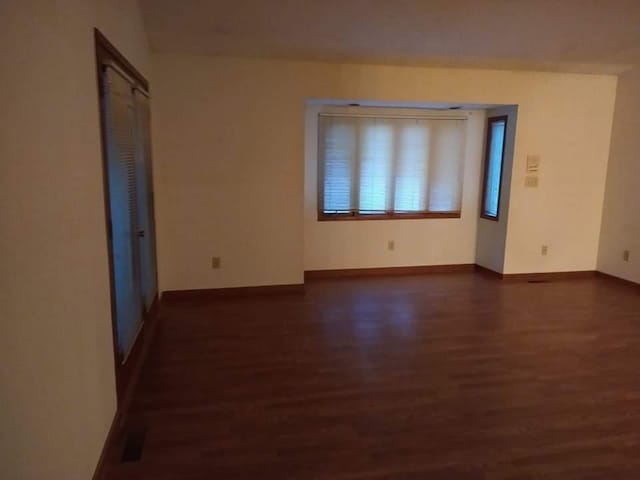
{"type": "Point", "coordinates": [121, 144]}
{"type": "Point", "coordinates": [390, 166]}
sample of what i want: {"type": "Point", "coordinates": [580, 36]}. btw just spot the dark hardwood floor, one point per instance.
{"type": "Point", "coordinates": [447, 377]}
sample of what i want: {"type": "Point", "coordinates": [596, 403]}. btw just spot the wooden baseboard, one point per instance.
{"type": "Point", "coordinates": [387, 271]}
{"type": "Point", "coordinates": [535, 277]}
{"type": "Point", "coordinates": [547, 276]}
{"type": "Point", "coordinates": [462, 268]}
{"type": "Point", "coordinates": [204, 293]}
{"type": "Point", "coordinates": [618, 280]}
{"type": "Point", "coordinates": [487, 271]}
{"type": "Point", "coordinates": [181, 295]}
{"type": "Point", "coordinates": [127, 380]}
{"type": "Point", "coordinates": [128, 373]}
{"type": "Point", "coordinates": [99, 473]}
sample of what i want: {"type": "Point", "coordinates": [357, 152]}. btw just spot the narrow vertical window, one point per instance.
{"type": "Point", "coordinates": [494, 157]}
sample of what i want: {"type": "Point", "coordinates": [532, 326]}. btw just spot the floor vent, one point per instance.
{"type": "Point", "coordinates": [539, 281]}
{"type": "Point", "coordinates": [133, 445]}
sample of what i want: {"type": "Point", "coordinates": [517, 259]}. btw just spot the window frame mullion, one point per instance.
{"type": "Point", "coordinates": [397, 131]}
{"type": "Point", "coordinates": [355, 178]}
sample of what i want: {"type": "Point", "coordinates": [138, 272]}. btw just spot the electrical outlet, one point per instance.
{"type": "Point", "coordinates": [391, 245]}
{"type": "Point", "coordinates": [625, 255]}
{"type": "Point", "coordinates": [544, 250]}
{"type": "Point", "coordinates": [215, 262]}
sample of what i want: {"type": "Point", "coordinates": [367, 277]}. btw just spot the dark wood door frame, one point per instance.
{"type": "Point", "coordinates": [127, 372]}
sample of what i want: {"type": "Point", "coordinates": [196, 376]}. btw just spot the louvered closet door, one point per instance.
{"type": "Point", "coordinates": [146, 224]}
{"type": "Point", "coordinates": [121, 150]}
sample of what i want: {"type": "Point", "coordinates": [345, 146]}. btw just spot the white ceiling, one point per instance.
{"type": "Point", "coordinates": [595, 36]}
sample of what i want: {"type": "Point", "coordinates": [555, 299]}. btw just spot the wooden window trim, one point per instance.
{"type": "Point", "coordinates": [355, 216]}
{"type": "Point", "coordinates": [485, 175]}
{"type": "Point", "coordinates": [106, 50]}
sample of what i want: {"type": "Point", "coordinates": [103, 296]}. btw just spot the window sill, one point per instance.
{"type": "Point", "coordinates": [328, 217]}
{"type": "Point", "coordinates": [489, 217]}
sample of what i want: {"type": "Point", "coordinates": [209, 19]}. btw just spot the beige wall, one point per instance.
{"type": "Point", "coordinates": [337, 245]}
{"type": "Point", "coordinates": [621, 220]}
{"type": "Point", "coordinates": [57, 390]}
{"type": "Point", "coordinates": [229, 138]}
{"type": "Point", "coordinates": [567, 123]}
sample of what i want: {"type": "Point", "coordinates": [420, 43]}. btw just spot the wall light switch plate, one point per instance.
{"type": "Point", "coordinates": [533, 163]}
{"type": "Point", "coordinates": [531, 181]}
{"type": "Point", "coordinates": [215, 262]}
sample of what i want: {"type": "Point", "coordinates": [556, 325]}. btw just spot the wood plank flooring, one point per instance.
{"type": "Point", "coordinates": [448, 377]}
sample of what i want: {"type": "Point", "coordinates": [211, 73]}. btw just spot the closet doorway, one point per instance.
{"type": "Point", "coordinates": [128, 186]}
